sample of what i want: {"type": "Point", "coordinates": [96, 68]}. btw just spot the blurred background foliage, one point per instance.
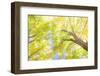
{"type": "Point", "coordinates": [57, 37]}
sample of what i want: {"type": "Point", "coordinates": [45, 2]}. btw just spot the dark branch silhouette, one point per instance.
{"type": "Point", "coordinates": [30, 38]}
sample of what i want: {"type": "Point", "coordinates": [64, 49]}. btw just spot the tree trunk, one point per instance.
{"type": "Point", "coordinates": [77, 40]}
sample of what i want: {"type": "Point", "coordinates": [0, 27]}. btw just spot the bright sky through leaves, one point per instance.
{"type": "Point", "coordinates": [57, 37]}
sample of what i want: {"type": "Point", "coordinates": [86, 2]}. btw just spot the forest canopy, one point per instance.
{"type": "Point", "coordinates": [57, 37]}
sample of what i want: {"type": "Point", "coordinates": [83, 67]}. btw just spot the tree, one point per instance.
{"type": "Point", "coordinates": [57, 37]}
{"type": "Point", "coordinates": [77, 39]}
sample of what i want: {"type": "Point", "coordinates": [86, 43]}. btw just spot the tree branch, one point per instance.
{"type": "Point", "coordinates": [30, 38]}
{"type": "Point", "coordinates": [77, 40]}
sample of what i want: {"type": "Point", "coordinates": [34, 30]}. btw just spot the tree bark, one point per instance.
{"type": "Point", "coordinates": [77, 40]}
